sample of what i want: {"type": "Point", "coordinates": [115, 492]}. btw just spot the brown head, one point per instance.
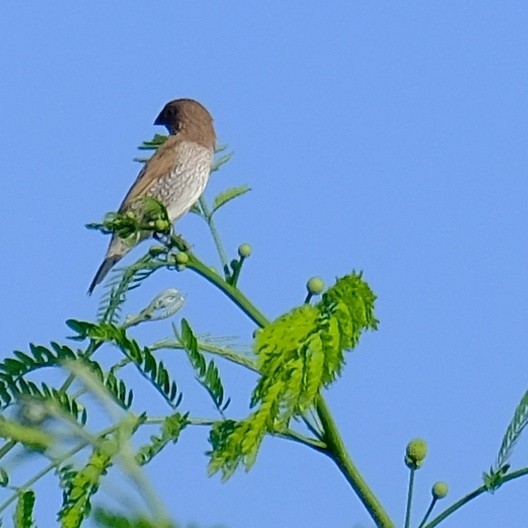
{"type": "Point", "coordinates": [190, 119]}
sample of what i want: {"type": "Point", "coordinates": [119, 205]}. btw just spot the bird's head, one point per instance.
{"type": "Point", "coordinates": [190, 119]}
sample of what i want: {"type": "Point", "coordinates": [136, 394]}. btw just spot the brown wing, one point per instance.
{"type": "Point", "coordinates": [159, 165]}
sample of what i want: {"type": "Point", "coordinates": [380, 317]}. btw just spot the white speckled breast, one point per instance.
{"type": "Point", "coordinates": [186, 181]}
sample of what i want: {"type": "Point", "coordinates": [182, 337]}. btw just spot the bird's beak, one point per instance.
{"type": "Point", "coordinates": [160, 120]}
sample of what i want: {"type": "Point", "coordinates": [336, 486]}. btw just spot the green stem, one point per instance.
{"type": "Point", "coordinates": [233, 293]}
{"type": "Point", "coordinates": [216, 350]}
{"type": "Point", "coordinates": [290, 434]}
{"type": "Point", "coordinates": [335, 446]}
{"type": "Point", "coordinates": [470, 496]}
{"type": "Point", "coordinates": [409, 497]}
{"type": "Point", "coordinates": [336, 450]}
{"type": "Point", "coordinates": [428, 512]}
{"type": "Point", "coordinates": [216, 236]}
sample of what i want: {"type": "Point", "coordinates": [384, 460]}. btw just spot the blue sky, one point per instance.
{"type": "Point", "coordinates": [377, 136]}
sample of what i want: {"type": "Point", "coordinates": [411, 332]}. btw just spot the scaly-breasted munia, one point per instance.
{"type": "Point", "coordinates": [176, 174]}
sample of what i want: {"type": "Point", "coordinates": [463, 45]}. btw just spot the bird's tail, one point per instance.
{"type": "Point", "coordinates": [104, 268]}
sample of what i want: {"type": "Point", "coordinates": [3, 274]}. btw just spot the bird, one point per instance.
{"type": "Point", "coordinates": [176, 174]}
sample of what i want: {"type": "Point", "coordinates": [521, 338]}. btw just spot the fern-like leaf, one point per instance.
{"type": "Point", "coordinates": [493, 479]}
{"type": "Point", "coordinates": [79, 486]}
{"type": "Point", "coordinates": [226, 196]}
{"type": "Point", "coordinates": [298, 354]}
{"type": "Point", "coordinates": [4, 478]}
{"type": "Point", "coordinates": [154, 143]}
{"type": "Point", "coordinates": [148, 366]}
{"type": "Point", "coordinates": [122, 281]}
{"type": "Point", "coordinates": [40, 357]}
{"type": "Point", "coordinates": [170, 432]}
{"type": "Point", "coordinates": [222, 160]}
{"type": "Point", "coordinates": [14, 387]}
{"type": "Point", "coordinates": [108, 519]}
{"type": "Point", "coordinates": [206, 373]}
{"type": "Point", "coordinates": [23, 516]}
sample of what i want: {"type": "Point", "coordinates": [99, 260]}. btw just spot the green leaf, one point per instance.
{"type": "Point", "coordinates": [23, 516]}
{"type": "Point", "coordinates": [153, 143]}
{"type": "Point", "coordinates": [298, 354]}
{"type": "Point", "coordinates": [109, 519]}
{"type": "Point", "coordinates": [222, 160]}
{"type": "Point", "coordinates": [4, 477]}
{"type": "Point", "coordinates": [79, 486]}
{"type": "Point", "coordinates": [494, 479]}
{"type": "Point", "coordinates": [228, 195]}
{"type": "Point", "coordinates": [206, 373]}
{"type": "Point", "coordinates": [511, 437]}
{"type": "Point", "coordinates": [171, 428]}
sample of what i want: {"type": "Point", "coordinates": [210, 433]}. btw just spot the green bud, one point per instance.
{"type": "Point", "coordinates": [161, 225]}
{"type": "Point", "coordinates": [440, 490]}
{"type": "Point", "coordinates": [244, 250]}
{"type": "Point", "coordinates": [315, 286]}
{"type": "Point", "coordinates": [415, 453]}
{"type": "Point", "coordinates": [182, 258]}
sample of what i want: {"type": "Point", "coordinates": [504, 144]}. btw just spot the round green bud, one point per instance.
{"type": "Point", "coordinates": [244, 250]}
{"type": "Point", "coordinates": [315, 286]}
{"type": "Point", "coordinates": [439, 490]}
{"type": "Point", "coordinates": [415, 453]}
{"type": "Point", "coordinates": [182, 258]}
{"type": "Point", "coordinates": [161, 225]}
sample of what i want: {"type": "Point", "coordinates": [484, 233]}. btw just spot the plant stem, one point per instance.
{"type": "Point", "coordinates": [335, 447]}
{"type": "Point", "coordinates": [470, 496]}
{"type": "Point", "coordinates": [233, 293]}
{"type": "Point", "coordinates": [216, 236]}
{"type": "Point", "coordinates": [314, 443]}
{"type": "Point", "coordinates": [336, 450]}
{"type": "Point", "coordinates": [428, 512]}
{"type": "Point", "coordinates": [409, 497]}
{"type": "Point", "coordinates": [220, 351]}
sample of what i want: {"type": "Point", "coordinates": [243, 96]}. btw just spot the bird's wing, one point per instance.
{"type": "Point", "coordinates": [159, 165]}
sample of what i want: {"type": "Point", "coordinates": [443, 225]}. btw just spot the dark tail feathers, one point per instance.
{"type": "Point", "coordinates": [104, 268]}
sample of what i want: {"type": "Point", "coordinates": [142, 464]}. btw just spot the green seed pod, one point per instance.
{"type": "Point", "coordinates": [440, 490]}
{"type": "Point", "coordinates": [415, 453]}
{"type": "Point", "coordinates": [244, 250]}
{"type": "Point", "coordinates": [315, 286]}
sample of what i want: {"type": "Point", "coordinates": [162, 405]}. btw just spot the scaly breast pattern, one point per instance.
{"type": "Point", "coordinates": [186, 181]}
